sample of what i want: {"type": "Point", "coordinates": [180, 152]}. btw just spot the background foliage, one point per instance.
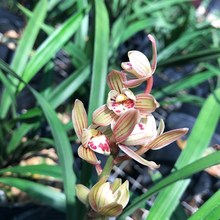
{"type": "Point", "coordinates": [65, 51]}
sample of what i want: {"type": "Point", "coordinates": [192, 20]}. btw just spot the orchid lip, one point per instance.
{"type": "Point", "coordinates": [99, 144]}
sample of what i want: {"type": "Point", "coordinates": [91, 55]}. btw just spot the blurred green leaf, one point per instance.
{"type": "Point", "coordinates": [18, 134]}
{"type": "Point", "coordinates": [175, 176]}
{"type": "Point", "coordinates": [70, 85]}
{"type": "Point", "coordinates": [209, 210]}
{"type": "Point", "coordinates": [205, 55]}
{"type": "Point", "coordinates": [198, 141]}
{"type": "Point", "coordinates": [154, 6]}
{"type": "Point", "coordinates": [45, 194]}
{"type": "Point", "coordinates": [184, 42]}
{"type": "Point", "coordinates": [23, 50]}
{"type": "Point", "coordinates": [50, 46]}
{"type": "Point", "coordinates": [188, 82]}
{"type": "Point", "coordinates": [64, 152]}
{"type": "Point", "coordinates": [100, 58]}
{"type": "Point", "coordinates": [28, 38]}
{"type": "Point", "coordinates": [42, 169]}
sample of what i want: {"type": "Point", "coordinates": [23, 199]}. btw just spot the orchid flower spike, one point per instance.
{"type": "Point", "coordinates": [120, 100]}
{"type": "Point", "coordinates": [139, 65]}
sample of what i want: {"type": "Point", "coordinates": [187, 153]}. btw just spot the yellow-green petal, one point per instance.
{"type": "Point", "coordinates": [125, 125]}
{"type": "Point", "coordinates": [79, 118]}
{"type": "Point", "coordinates": [146, 103]}
{"type": "Point", "coordinates": [115, 79]}
{"type": "Point", "coordinates": [103, 116]}
{"type": "Point", "coordinates": [88, 155]}
{"type": "Point", "coordinates": [166, 138]}
{"type": "Point", "coordinates": [138, 158]}
{"type": "Point", "coordinates": [82, 193]}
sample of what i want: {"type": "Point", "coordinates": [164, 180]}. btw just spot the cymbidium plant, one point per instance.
{"type": "Point", "coordinates": [121, 129]}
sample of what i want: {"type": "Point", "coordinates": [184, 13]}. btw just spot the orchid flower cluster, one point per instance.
{"type": "Point", "coordinates": [124, 128]}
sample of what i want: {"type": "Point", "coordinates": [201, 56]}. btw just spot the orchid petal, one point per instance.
{"type": "Point", "coordinates": [138, 158]}
{"type": "Point", "coordinates": [111, 96]}
{"type": "Point", "coordinates": [79, 118]}
{"type": "Point", "coordinates": [93, 193]}
{"type": "Point", "coordinates": [146, 103]}
{"type": "Point", "coordinates": [86, 136]}
{"type": "Point", "coordinates": [154, 57]}
{"type": "Point", "coordinates": [125, 125]}
{"type": "Point", "coordinates": [103, 116]}
{"type": "Point", "coordinates": [140, 63]}
{"type": "Point", "coordinates": [88, 155]}
{"type": "Point", "coordinates": [111, 210]}
{"type": "Point", "coordinates": [82, 193]}
{"type": "Point", "coordinates": [116, 184]}
{"type": "Point", "coordinates": [100, 144]}
{"type": "Point", "coordinates": [134, 82]}
{"type": "Point", "coordinates": [115, 79]}
{"type": "Point", "coordinates": [161, 127]}
{"type": "Point", "coordinates": [122, 194]}
{"type": "Point", "coordinates": [166, 138]}
{"type": "Point", "coordinates": [128, 93]}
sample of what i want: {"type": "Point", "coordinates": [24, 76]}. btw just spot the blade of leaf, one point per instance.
{"type": "Point", "coordinates": [42, 169]}
{"type": "Point", "coordinates": [28, 38]}
{"type": "Point", "coordinates": [185, 83]}
{"type": "Point", "coordinates": [18, 134]}
{"type": "Point", "coordinates": [50, 46]}
{"type": "Point", "coordinates": [24, 48]}
{"type": "Point", "coordinates": [209, 210]}
{"type": "Point", "coordinates": [65, 89]}
{"type": "Point", "coordinates": [64, 152]}
{"type": "Point", "coordinates": [200, 136]}
{"type": "Point", "coordinates": [178, 175]}
{"type": "Point", "coordinates": [38, 191]}
{"type": "Point", "coordinates": [100, 60]}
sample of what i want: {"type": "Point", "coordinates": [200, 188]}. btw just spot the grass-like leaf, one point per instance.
{"type": "Point", "coordinates": [50, 46]}
{"type": "Point", "coordinates": [180, 174]}
{"type": "Point", "coordinates": [17, 136]}
{"type": "Point", "coordinates": [185, 83]}
{"type": "Point", "coordinates": [198, 141]}
{"type": "Point", "coordinates": [209, 210]}
{"type": "Point", "coordinates": [45, 194]}
{"type": "Point", "coordinates": [100, 59]}
{"type": "Point", "coordinates": [42, 169]}
{"type": "Point", "coordinates": [64, 151]}
{"type": "Point", "coordinates": [28, 38]}
{"type": "Point", "coordinates": [66, 88]}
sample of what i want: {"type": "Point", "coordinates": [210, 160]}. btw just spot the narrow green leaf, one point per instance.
{"type": "Point", "coordinates": [50, 46]}
{"type": "Point", "coordinates": [100, 60]}
{"type": "Point", "coordinates": [178, 175]}
{"type": "Point", "coordinates": [17, 136]}
{"type": "Point", "coordinates": [185, 83]}
{"type": "Point", "coordinates": [68, 86]}
{"type": "Point", "coordinates": [64, 152]}
{"type": "Point", "coordinates": [29, 14]}
{"type": "Point", "coordinates": [155, 6]}
{"type": "Point", "coordinates": [45, 194]}
{"type": "Point", "coordinates": [137, 26]}
{"type": "Point", "coordinates": [28, 38]}
{"type": "Point", "coordinates": [207, 54]}
{"type": "Point", "coordinates": [42, 169]}
{"type": "Point", "coordinates": [209, 210]}
{"type": "Point", "coordinates": [180, 44]}
{"type": "Point", "coordinates": [8, 88]}
{"type": "Point", "coordinates": [198, 141]}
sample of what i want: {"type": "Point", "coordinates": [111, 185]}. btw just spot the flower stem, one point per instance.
{"type": "Point", "coordinates": [149, 85]}
{"type": "Point", "coordinates": [108, 167]}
